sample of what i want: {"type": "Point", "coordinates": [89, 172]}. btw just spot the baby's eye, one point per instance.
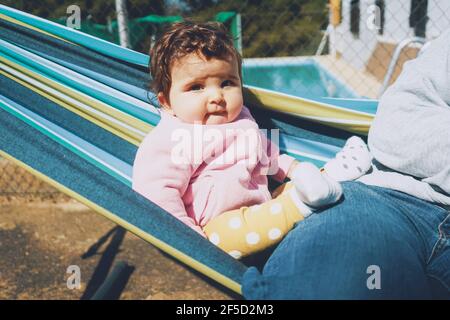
{"type": "Point", "coordinates": [195, 87]}
{"type": "Point", "coordinates": [227, 83]}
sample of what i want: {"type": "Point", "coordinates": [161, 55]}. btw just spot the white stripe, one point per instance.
{"type": "Point", "coordinates": [307, 155]}
{"type": "Point", "coordinates": [76, 102]}
{"type": "Point", "coordinates": [99, 160]}
{"type": "Point", "coordinates": [79, 78]}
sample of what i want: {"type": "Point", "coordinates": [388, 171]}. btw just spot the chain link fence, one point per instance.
{"type": "Point", "coordinates": [16, 182]}
{"type": "Point", "coordinates": [337, 48]}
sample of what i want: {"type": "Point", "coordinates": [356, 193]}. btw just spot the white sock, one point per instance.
{"type": "Point", "coordinates": [353, 161]}
{"type": "Point", "coordinates": [315, 188]}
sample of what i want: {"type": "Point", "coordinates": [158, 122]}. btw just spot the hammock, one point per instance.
{"type": "Point", "coordinates": [74, 108]}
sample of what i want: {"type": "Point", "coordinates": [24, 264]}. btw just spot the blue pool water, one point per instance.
{"type": "Point", "coordinates": [299, 77]}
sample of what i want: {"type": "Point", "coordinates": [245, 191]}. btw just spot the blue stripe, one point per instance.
{"type": "Point", "coordinates": [45, 71]}
{"type": "Point", "coordinates": [122, 171]}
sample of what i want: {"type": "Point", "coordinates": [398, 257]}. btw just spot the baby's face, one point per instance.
{"type": "Point", "coordinates": [204, 91]}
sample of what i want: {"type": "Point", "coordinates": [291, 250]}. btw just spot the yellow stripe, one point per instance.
{"type": "Point", "coordinates": [26, 25]}
{"type": "Point", "coordinates": [85, 99]}
{"type": "Point", "coordinates": [114, 128]}
{"type": "Point", "coordinates": [68, 107]}
{"type": "Point", "coordinates": [308, 109]}
{"type": "Point", "coordinates": [236, 287]}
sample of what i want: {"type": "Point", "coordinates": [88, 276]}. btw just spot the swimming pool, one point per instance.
{"type": "Point", "coordinates": [298, 76]}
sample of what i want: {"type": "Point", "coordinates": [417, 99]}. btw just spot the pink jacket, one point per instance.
{"type": "Point", "coordinates": [197, 181]}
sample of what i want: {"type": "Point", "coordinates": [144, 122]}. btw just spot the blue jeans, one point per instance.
{"type": "Point", "coordinates": [375, 244]}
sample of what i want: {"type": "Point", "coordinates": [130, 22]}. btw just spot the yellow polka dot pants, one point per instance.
{"type": "Point", "coordinates": [251, 229]}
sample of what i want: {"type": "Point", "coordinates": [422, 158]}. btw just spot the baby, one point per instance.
{"type": "Point", "coordinates": [207, 162]}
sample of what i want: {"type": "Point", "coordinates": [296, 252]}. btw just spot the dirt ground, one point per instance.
{"type": "Point", "coordinates": [39, 240]}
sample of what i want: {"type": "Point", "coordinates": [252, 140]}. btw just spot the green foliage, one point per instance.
{"type": "Point", "coordinates": [96, 10]}
{"type": "Point", "coordinates": [275, 27]}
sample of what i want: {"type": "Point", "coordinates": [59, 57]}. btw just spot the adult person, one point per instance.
{"type": "Point", "coordinates": [390, 237]}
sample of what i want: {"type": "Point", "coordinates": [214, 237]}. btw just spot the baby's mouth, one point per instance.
{"type": "Point", "coordinates": [215, 114]}
{"type": "Point", "coordinates": [219, 113]}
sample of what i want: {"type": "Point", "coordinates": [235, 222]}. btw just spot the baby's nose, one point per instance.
{"type": "Point", "coordinates": [216, 96]}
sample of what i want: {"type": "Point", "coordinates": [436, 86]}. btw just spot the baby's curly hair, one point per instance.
{"type": "Point", "coordinates": [209, 39]}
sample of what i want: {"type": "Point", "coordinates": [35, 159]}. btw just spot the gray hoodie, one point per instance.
{"type": "Point", "coordinates": [410, 136]}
